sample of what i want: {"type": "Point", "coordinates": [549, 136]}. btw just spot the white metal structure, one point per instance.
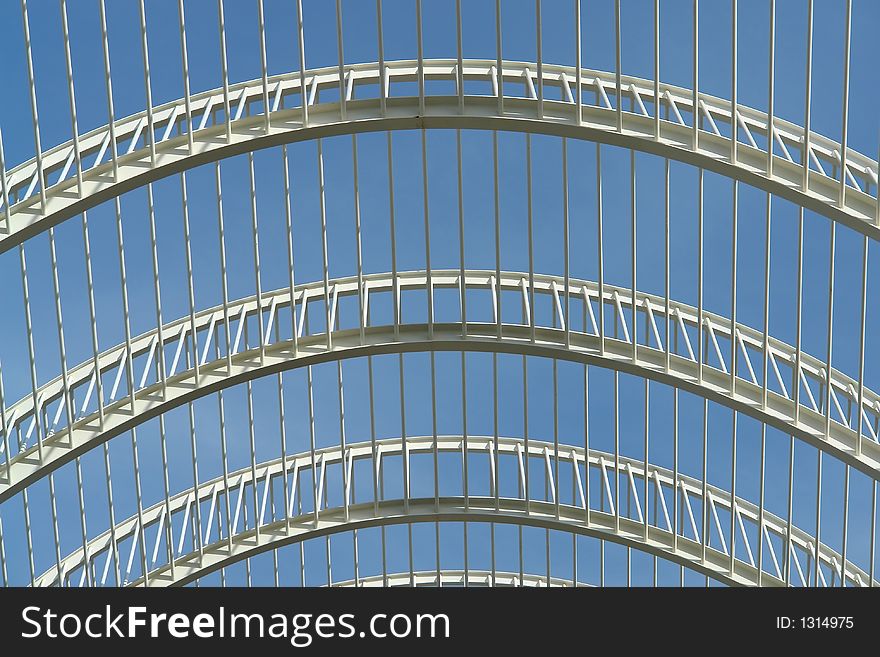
{"type": "Point", "coordinates": [198, 526]}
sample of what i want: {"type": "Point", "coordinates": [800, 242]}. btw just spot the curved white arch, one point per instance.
{"type": "Point", "coordinates": [37, 454]}
{"type": "Point", "coordinates": [105, 177]}
{"type": "Point", "coordinates": [472, 578]}
{"type": "Point", "coordinates": [673, 532]}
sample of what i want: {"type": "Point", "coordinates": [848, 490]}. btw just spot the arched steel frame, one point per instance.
{"type": "Point", "coordinates": [649, 355]}
{"type": "Point", "coordinates": [71, 178]}
{"type": "Point", "coordinates": [671, 531]}
{"type": "Point", "coordinates": [114, 159]}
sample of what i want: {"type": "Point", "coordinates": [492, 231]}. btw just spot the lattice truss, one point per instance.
{"type": "Point", "coordinates": [415, 293]}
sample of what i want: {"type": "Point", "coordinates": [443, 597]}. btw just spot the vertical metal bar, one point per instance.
{"type": "Point", "coordinates": [35, 116]}
{"type": "Point", "coordinates": [633, 256]}
{"type": "Point", "coordinates": [818, 517]}
{"type": "Point", "coordinates": [734, 126]}
{"type": "Point", "coordinates": [704, 533]}
{"type": "Point", "coordinates": [531, 237]}
{"type": "Point", "coordinates": [540, 63]}
{"type": "Point", "coordinates": [4, 189]}
{"type": "Point", "coordinates": [224, 283]}
{"type": "Point", "coordinates": [343, 100]}
{"type": "Point", "coordinates": [862, 330]}
{"type": "Point", "coordinates": [145, 54]}
{"type": "Point", "coordinates": [616, 452]}
{"type": "Point", "coordinates": [265, 79]}
{"type": "Point", "coordinates": [108, 86]}
{"type": "Point", "coordinates": [382, 71]}
{"type": "Point", "coordinates": [224, 69]}
{"type": "Point", "coordinates": [395, 284]}
{"type": "Point", "coordinates": [617, 34]}
{"type": "Point", "coordinates": [189, 275]}
{"type": "Point", "coordinates": [565, 246]}
{"type": "Point", "coordinates": [460, 91]}
{"type": "Point", "coordinates": [499, 72]}
{"type": "Point", "coordinates": [667, 272]}
{"type": "Point", "coordinates": [157, 293]}
{"type": "Point", "coordinates": [32, 364]}
{"type": "Point", "coordinates": [799, 323]}
{"type": "Point", "coordinates": [696, 94]}
{"type": "Point", "coordinates": [462, 284]}
{"type": "Point", "coordinates": [71, 97]}
{"type": "Point", "coordinates": [420, 65]}
{"type": "Point", "coordinates": [184, 61]}
{"type": "Point", "coordinates": [845, 526]}
{"type": "Point", "coordinates": [830, 326]}
{"type": "Point", "coordinates": [326, 266]}
{"type": "Point", "coordinates": [428, 272]}
{"type": "Point", "coordinates": [169, 538]}
{"type": "Point", "coordinates": [302, 62]}
{"type": "Point", "coordinates": [789, 521]}
{"type": "Point", "coordinates": [288, 223]}
{"type": "Point", "coordinates": [732, 497]}
{"type": "Point", "coordinates": [496, 206]}
{"type": "Point", "coordinates": [197, 536]}
{"type": "Point", "coordinates": [255, 237]}
{"type": "Point", "coordinates": [700, 357]}
{"type": "Point", "coordinates": [771, 96]}
{"type": "Point", "coordinates": [761, 491]}
{"type": "Point", "coordinates": [577, 67]}
{"type": "Point", "coordinates": [808, 97]}
{"type": "Point", "coordinates": [600, 249]}
{"type": "Point", "coordinates": [734, 351]}
{"type": "Point", "coordinates": [647, 438]}
{"type": "Point", "coordinates": [845, 112]}
{"type": "Point", "coordinates": [656, 73]}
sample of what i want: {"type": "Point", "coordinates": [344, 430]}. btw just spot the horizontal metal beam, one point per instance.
{"type": "Point", "coordinates": [214, 139]}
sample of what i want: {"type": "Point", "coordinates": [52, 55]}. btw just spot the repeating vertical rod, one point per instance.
{"type": "Point", "coordinates": [619, 98]}
{"type": "Point", "coordinates": [157, 292]}
{"type": "Point", "coordinates": [428, 272]}
{"type": "Point", "coordinates": [656, 69]}
{"type": "Point", "coordinates": [540, 63]}
{"type": "Point", "coordinates": [224, 68]}
{"type": "Point", "coordinates": [829, 327]}
{"type": "Point", "coordinates": [343, 100]}
{"type": "Point", "coordinates": [577, 66]}
{"type": "Point", "coordinates": [35, 115]}
{"type": "Point", "coordinates": [261, 20]}
{"type": "Point", "coordinates": [862, 330]}
{"type": "Point", "coordinates": [302, 62]}
{"type": "Point", "coordinates": [808, 91]}
{"type": "Point", "coordinates": [324, 251]}
{"type": "Point", "coordinates": [148, 87]}
{"type": "Point", "coordinates": [288, 224]}
{"type": "Point", "coordinates": [4, 189]}
{"type": "Point", "coordinates": [600, 248]}
{"type": "Point", "coordinates": [734, 127]}
{"type": "Point", "coordinates": [695, 102]}
{"type": "Point", "coordinates": [191, 298]}
{"type": "Point", "coordinates": [255, 238]}
{"type": "Point", "coordinates": [184, 62]}
{"type": "Point", "coordinates": [531, 237]}
{"type": "Point", "coordinates": [71, 96]}
{"type": "Point", "coordinates": [382, 72]}
{"type": "Point", "coordinates": [845, 111]}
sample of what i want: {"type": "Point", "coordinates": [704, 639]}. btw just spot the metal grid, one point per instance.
{"type": "Point", "coordinates": [724, 361]}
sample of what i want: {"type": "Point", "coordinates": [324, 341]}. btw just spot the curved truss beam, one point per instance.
{"type": "Point", "coordinates": [672, 531]}
{"type": "Point", "coordinates": [806, 178]}
{"type": "Point", "coordinates": [472, 578]}
{"type": "Point", "coordinates": [669, 361]}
